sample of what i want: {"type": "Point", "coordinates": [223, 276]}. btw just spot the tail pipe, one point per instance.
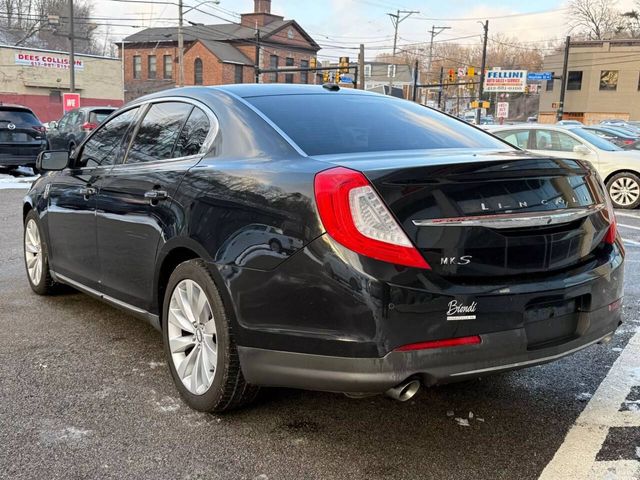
{"type": "Point", "coordinates": [405, 391]}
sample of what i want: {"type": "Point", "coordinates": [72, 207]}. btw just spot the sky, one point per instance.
{"type": "Point", "coordinates": [341, 25]}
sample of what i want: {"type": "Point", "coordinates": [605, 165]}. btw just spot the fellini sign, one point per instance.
{"type": "Point", "coordinates": [46, 60]}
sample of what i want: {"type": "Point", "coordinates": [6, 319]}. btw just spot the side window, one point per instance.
{"type": "Point", "coordinates": [104, 145]}
{"type": "Point", "coordinates": [158, 132]}
{"type": "Point", "coordinates": [517, 138]}
{"type": "Point", "coordinates": [193, 134]}
{"type": "Point", "coordinates": [63, 121]}
{"type": "Point", "coordinates": [554, 141]}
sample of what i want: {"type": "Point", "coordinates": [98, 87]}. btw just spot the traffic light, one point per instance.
{"type": "Point", "coordinates": [471, 71]}
{"type": "Point", "coordinates": [325, 76]}
{"type": "Point", "coordinates": [344, 65]}
{"type": "Point", "coordinates": [451, 75]}
{"type": "Point", "coordinates": [526, 89]}
{"type": "Point", "coordinates": [313, 63]}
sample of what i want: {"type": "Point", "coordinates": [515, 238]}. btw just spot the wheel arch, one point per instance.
{"type": "Point", "coordinates": [172, 254]}
{"type": "Point", "coordinates": [623, 170]}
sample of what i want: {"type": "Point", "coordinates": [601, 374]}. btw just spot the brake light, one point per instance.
{"type": "Point", "coordinates": [357, 218]}
{"type": "Point", "coordinates": [88, 126]}
{"type": "Point", "coordinates": [628, 142]}
{"type": "Point", "coordinates": [449, 342]}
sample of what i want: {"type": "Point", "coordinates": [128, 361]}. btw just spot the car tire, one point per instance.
{"type": "Point", "coordinates": [189, 346]}
{"type": "Point", "coordinates": [36, 256]}
{"type": "Point", "coordinates": [624, 190]}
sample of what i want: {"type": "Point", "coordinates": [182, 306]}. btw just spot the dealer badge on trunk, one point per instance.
{"type": "Point", "coordinates": [460, 311]}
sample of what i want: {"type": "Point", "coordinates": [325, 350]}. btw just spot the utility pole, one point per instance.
{"type": "Point", "coordinates": [361, 66]}
{"type": "Point", "coordinates": [72, 53]}
{"type": "Point", "coordinates": [563, 85]}
{"type": "Point", "coordinates": [485, 27]}
{"type": "Point", "coordinates": [257, 67]}
{"type": "Point", "coordinates": [435, 31]}
{"type": "Point", "coordinates": [180, 46]}
{"type": "Point", "coordinates": [396, 20]}
{"type": "Point", "coordinates": [440, 88]}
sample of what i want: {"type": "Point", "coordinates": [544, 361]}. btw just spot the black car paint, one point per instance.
{"type": "Point", "coordinates": [318, 299]}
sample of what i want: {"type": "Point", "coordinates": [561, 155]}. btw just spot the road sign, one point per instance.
{"type": "Point", "coordinates": [462, 72]}
{"type": "Point", "coordinates": [345, 78]}
{"type": "Point", "coordinates": [70, 101]}
{"type": "Point", "coordinates": [502, 109]}
{"type": "Point", "coordinates": [505, 81]}
{"type": "Point", "coordinates": [540, 76]}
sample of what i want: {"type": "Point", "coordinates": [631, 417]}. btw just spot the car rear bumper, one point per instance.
{"type": "Point", "coordinates": [28, 160]}
{"type": "Point", "coordinates": [497, 352]}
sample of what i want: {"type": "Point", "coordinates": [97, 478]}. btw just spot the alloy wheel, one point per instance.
{"type": "Point", "coordinates": [33, 251]}
{"type": "Point", "coordinates": [192, 336]}
{"type": "Point", "coordinates": [624, 191]}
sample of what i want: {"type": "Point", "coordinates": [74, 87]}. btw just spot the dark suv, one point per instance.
{"type": "Point", "coordinates": [22, 136]}
{"type": "Point", "coordinates": [75, 125]}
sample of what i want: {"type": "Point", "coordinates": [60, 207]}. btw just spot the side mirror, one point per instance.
{"type": "Point", "coordinates": [581, 150]}
{"type": "Point", "coordinates": [53, 160]}
{"type": "Point", "coordinates": [53, 124]}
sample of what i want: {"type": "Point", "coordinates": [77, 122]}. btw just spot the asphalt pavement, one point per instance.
{"type": "Point", "coordinates": [85, 393]}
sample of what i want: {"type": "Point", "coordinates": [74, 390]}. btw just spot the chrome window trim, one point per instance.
{"type": "Point", "coordinates": [214, 127]}
{"type": "Point", "coordinates": [513, 220]}
{"type": "Point", "coordinates": [258, 112]}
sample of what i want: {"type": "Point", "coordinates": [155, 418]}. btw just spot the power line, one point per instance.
{"type": "Point", "coordinates": [495, 17]}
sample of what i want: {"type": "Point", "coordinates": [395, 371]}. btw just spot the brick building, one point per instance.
{"type": "Point", "coordinates": [37, 79]}
{"type": "Point", "coordinates": [218, 54]}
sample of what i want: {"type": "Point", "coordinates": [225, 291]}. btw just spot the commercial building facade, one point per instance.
{"type": "Point", "coordinates": [218, 54]}
{"type": "Point", "coordinates": [603, 82]}
{"type": "Point", "coordinates": [38, 78]}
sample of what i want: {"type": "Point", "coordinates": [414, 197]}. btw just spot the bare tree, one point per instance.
{"type": "Point", "coordinates": [594, 19]}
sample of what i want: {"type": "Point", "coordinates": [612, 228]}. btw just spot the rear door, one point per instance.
{"type": "Point", "coordinates": [134, 205]}
{"type": "Point", "coordinates": [72, 198]}
{"type": "Point", "coordinates": [554, 143]}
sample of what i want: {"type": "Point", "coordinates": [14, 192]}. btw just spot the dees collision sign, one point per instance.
{"type": "Point", "coordinates": [46, 60]}
{"type": "Point", "coordinates": [505, 81]}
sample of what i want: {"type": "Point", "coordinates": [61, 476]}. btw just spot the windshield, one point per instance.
{"type": "Point", "coordinates": [595, 140]}
{"type": "Point", "coordinates": [326, 124]}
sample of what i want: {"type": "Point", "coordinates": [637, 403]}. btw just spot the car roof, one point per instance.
{"type": "Point", "coordinates": [246, 90]}
{"type": "Point", "coordinates": [15, 107]}
{"type": "Point", "coordinates": [536, 126]}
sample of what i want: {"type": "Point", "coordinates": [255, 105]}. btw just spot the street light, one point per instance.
{"type": "Point", "coordinates": [181, 35]}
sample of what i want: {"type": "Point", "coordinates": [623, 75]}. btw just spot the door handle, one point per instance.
{"type": "Point", "coordinates": [156, 195]}
{"type": "Point", "coordinates": [88, 191]}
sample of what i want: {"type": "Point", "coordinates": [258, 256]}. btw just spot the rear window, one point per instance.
{"type": "Point", "coordinates": [326, 124]}
{"type": "Point", "coordinates": [98, 116]}
{"type": "Point", "coordinates": [18, 116]}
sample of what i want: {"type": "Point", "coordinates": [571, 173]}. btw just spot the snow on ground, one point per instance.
{"type": "Point", "coordinates": [21, 178]}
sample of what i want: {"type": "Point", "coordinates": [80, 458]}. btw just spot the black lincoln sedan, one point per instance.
{"type": "Point", "coordinates": [324, 238]}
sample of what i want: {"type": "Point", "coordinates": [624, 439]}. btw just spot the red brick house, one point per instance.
{"type": "Point", "coordinates": [218, 54]}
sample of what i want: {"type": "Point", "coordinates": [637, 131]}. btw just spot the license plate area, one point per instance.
{"type": "Point", "coordinates": [554, 322]}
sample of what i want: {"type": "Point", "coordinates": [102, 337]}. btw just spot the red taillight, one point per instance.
{"type": "Point", "coordinates": [88, 126]}
{"type": "Point", "coordinates": [356, 217]}
{"type": "Point", "coordinates": [612, 233]}
{"type": "Point", "coordinates": [449, 342]}
{"type": "Point", "coordinates": [628, 142]}
{"type": "Point", "coordinates": [39, 128]}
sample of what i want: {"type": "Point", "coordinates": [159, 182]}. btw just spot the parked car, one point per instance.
{"type": "Point", "coordinates": [22, 136]}
{"type": "Point", "coordinates": [633, 146]}
{"type": "Point", "coordinates": [620, 124]}
{"type": "Point", "coordinates": [569, 123]}
{"type": "Point", "coordinates": [620, 169]}
{"type": "Point", "coordinates": [74, 126]}
{"type": "Point", "coordinates": [422, 249]}
{"type": "Point", "coordinates": [615, 135]}
{"type": "Point", "coordinates": [532, 119]}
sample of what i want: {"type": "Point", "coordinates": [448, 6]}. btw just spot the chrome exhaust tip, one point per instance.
{"type": "Point", "coordinates": [405, 391]}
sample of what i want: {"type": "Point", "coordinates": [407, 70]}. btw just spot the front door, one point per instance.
{"type": "Point", "coordinates": [72, 197]}
{"type": "Point", "coordinates": [134, 204]}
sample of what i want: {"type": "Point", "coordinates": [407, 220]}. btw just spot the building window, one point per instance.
{"type": "Point", "coordinates": [238, 74]}
{"type": "Point", "coordinates": [304, 76]}
{"type": "Point", "coordinates": [609, 80]}
{"type": "Point", "coordinates": [391, 71]}
{"type": "Point", "coordinates": [367, 70]}
{"type": "Point", "coordinates": [549, 86]}
{"type": "Point", "coordinates": [197, 72]}
{"type": "Point", "coordinates": [273, 63]}
{"type": "Point", "coordinates": [574, 81]}
{"type": "Point", "coordinates": [137, 66]}
{"type": "Point", "coordinates": [288, 78]}
{"type": "Point", "coordinates": [151, 64]}
{"type": "Point", "coordinates": [167, 67]}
